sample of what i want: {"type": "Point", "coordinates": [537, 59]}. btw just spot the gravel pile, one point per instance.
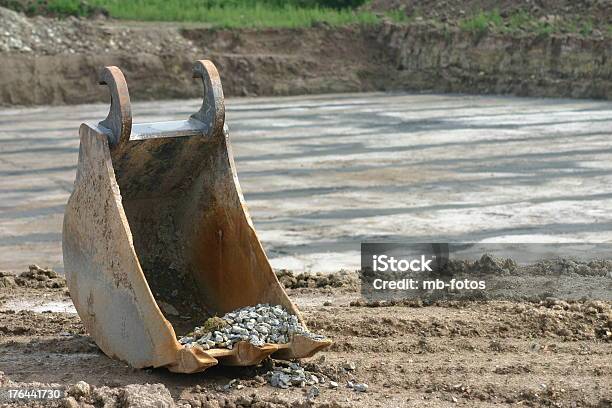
{"type": "Point", "coordinates": [258, 325]}
{"type": "Point", "coordinates": [292, 376]}
{"type": "Point", "coordinates": [49, 36]}
{"type": "Point", "coordinates": [41, 35]}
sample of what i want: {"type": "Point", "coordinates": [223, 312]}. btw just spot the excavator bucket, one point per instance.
{"type": "Point", "coordinates": [157, 237]}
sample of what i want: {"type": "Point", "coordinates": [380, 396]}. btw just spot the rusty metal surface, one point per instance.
{"type": "Point", "coordinates": [119, 119]}
{"type": "Point", "coordinates": [212, 111]}
{"type": "Point", "coordinates": [157, 237]}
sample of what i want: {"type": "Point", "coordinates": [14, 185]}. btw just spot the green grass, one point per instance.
{"type": "Point", "coordinates": [519, 20]}
{"type": "Point", "coordinates": [226, 13]}
{"type": "Point", "coordinates": [586, 28]}
{"type": "Point", "coordinates": [522, 21]}
{"type": "Point", "coordinates": [482, 22]}
{"type": "Point", "coordinates": [68, 7]}
{"type": "Point", "coordinates": [60, 8]}
{"type": "Point", "coordinates": [292, 14]}
{"type": "Point", "coordinates": [398, 16]}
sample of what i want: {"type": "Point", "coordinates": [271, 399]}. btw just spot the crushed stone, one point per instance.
{"type": "Point", "coordinates": [259, 324]}
{"type": "Point", "coordinates": [292, 376]}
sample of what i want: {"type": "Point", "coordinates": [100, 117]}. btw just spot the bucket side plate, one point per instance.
{"type": "Point", "coordinates": [106, 282]}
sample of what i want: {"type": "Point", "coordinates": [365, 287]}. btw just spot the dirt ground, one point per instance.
{"type": "Point", "coordinates": [549, 353]}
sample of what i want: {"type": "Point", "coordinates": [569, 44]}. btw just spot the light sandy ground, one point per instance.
{"type": "Point", "coordinates": [321, 174]}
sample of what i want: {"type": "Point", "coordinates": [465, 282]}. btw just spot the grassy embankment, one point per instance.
{"type": "Point", "coordinates": [301, 13]}
{"type": "Point", "coordinates": [226, 13]}
{"type": "Point", "coordinates": [520, 21]}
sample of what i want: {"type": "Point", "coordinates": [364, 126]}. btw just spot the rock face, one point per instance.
{"type": "Point", "coordinates": [523, 64]}
{"type": "Point", "coordinates": [62, 57]}
{"type": "Point", "coordinates": [258, 325]}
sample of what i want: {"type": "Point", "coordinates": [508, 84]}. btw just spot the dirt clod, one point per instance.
{"type": "Point", "coordinates": [80, 389]}
{"type": "Point", "coordinates": [34, 277]}
{"type": "Point", "coordinates": [316, 280]}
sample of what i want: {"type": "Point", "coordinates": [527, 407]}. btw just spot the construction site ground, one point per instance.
{"type": "Point", "coordinates": [320, 175]}
{"type": "Point", "coordinates": [446, 354]}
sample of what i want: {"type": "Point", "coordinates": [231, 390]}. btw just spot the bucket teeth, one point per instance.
{"type": "Point", "coordinates": [192, 360]}
{"type": "Point", "coordinates": [157, 217]}
{"type": "Point", "coordinates": [301, 347]}
{"type": "Point", "coordinates": [244, 354]}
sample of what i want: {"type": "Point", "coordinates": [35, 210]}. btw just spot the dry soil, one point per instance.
{"type": "Point", "coordinates": [548, 353]}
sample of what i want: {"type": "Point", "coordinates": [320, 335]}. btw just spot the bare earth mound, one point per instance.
{"type": "Point", "coordinates": [51, 61]}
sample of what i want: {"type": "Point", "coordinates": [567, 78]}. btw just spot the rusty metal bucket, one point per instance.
{"type": "Point", "coordinates": [157, 236]}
